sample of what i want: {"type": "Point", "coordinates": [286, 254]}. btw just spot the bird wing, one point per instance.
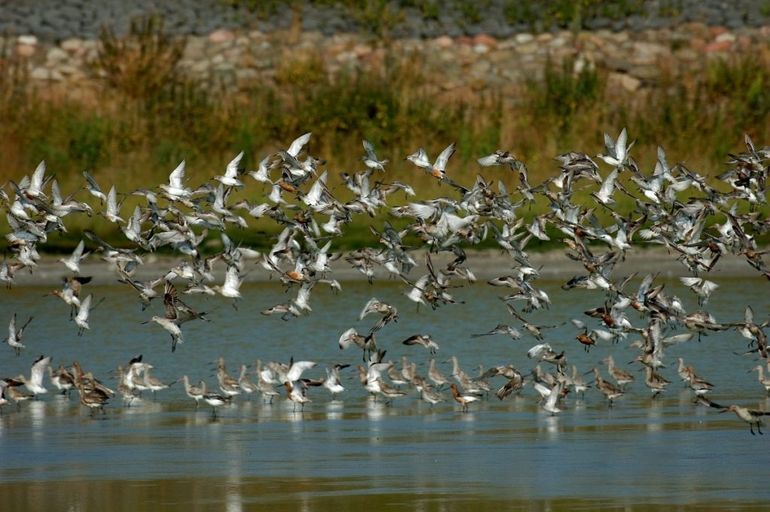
{"type": "Point", "coordinates": [347, 337]}
{"type": "Point", "coordinates": [38, 370]}
{"type": "Point", "coordinates": [231, 171]}
{"type": "Point", "coordinates": [12, 328]}
{"type": "Point", "coordinates": [369, 148]}
{"type": "Point", "coordinates": [85, 307]}
{"type": "Point", "coordinates": [443, 157]}
{"type": "Point", "coordinates": [367, 309]}
{"type": "Point", "coordinates": [298, 144]}
{"type": "Point", "coordinates": [295, 372]}
{"type": "Point", "coordinates": [177, 176]}
{"type": "Point", "coordinates": [748, 315]}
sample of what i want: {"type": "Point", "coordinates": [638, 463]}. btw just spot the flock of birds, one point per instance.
{"type": "Point", "coordinates": [696, 219]}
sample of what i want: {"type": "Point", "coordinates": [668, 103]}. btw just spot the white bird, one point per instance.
{"type": "Point", "coordinates": [370, 159]}
{"type": "Point", "coordinates": [262, 174]}
{"type": "Point", "coordinates": [553, 396]}
{"type": "Point", "coordinates": [93, 187]}
{"type": "Point", "coordinates": [296, 368]}
{"type": "Point", "coordinates": [176, 189]}
{"type": "Point", "coordinates": [14, 335]}
{"type": "Point", "coordinates": [35, 187]}
{"type": "Point", "coordinates": [112, 212]}
{"type": "Point", "coordinates": [35, 381]}
{"type": "Point", "coordinates": [298, 143]}
{"type": "Point", "coordinates": [332, 381]}
{"type": "Point", "coordinates": [232, 284]}
{"type": "Point", "coordinates": [438, 168]}
{"type": "Point", "coordinates": [604, 195]}
{"type": "Point", "coordinates": [230, 178]}
{"type": "Point", "coordinates": [702, 287]}
{"type": "Point", "coordinates": [617, 151]}
{"type": "Point", "coordinates": [81, 319]}
{"type": "Point", "coordinates": [73, 261]}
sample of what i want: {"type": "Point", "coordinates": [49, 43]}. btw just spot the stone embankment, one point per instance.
{"type": "Point", "coordinates": [57, 45]}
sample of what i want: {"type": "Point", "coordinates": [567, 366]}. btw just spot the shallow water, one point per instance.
{"type": "Point", "coordinates": [163, 454]}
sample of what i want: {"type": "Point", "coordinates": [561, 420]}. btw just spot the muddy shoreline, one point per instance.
{"type": "Point", "coordinates": [484, 264]}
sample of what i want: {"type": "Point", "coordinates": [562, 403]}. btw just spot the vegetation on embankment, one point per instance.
{"type": "Point", "coordinates": [147, 115]}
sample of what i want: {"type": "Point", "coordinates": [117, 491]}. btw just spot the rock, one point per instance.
{"type": "Point", "coordinates": [623, 81]}
{"type": "Point", "coordinates": [221, 36]}
{"type": "Point", "coordinates": [56, 55]}
{"type": "Point", "coordinates": [443, 42]}
{"type": "Point", "coordinates": [485, 40]}
{"type": "Point", "coordinates": [718, 46]}
{"type": "Point", "coordinates": [26, 50]}
{"type": "Point", "coordinates": [725, 36]}
{"type": "Point", "coordinates": [523, 38]}
{"type": "Point", "coordinates": [27, 40]}
{"type": "Point", "coordinates": [40, 73]}
{"type": "Point", "coordinates": [71, 45]}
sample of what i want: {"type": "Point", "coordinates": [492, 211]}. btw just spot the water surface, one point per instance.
{"type": "Point", "coordinates": [164, 454]}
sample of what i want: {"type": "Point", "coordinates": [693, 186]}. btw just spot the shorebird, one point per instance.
{"type": "Point", "coordinates": [215, 400]}
{"type": "Point", "coordinates": [61, 378]}
{"type": "Point", "coordinates": [622, 378]}
{"type": "Point", "coordinates": [230, 178]}
{"type": "Point", "coordinates": [227, 384]}
{"type": "Point", "coordinates": [370, 158]}
{"type": "Point", "coordinates": [388, 312]}
{"type": "Point", "coordinates": [73, 261]}
{"type": "Point", "coordinates": [176, 313]}
{"type": "Point", "coordinates": [14, 335]}
{"type": "Point", "coordinates": [91, 395]}
{"type": "Point", "coordinates": [507, 330]}
{"type": "Point", "coordinates": [751, 416]}
{"type": "Point", "coordinates": [436, 169]}
{"type": "Point", "coordinates": [350, 337]}
{"type": "Point", "coordinates": [332, 380]}
{"type": "Point", "coordinates": [295, 392]}
{"type": "Point", "coordinates": [654, 381]}
{"type": "Point", "coordinates": [35, 381]}
{"type": "Point", "coordinates": [462, 399]}
{"type": "Point", "coordinates": [246, 385]}
{"type": "Point", "coordinates": [176, 189]}
{"type": "Point", "coordinates": [764, 381]}
{"type": "Point", "coordinates": [194, 392]}
{"type": "Point", "coordinates": [610, 391]}
{"type": "Point", "coordinates": [423, 340]}
{"type": "Point", "coordinates": [438, 378]}
{"type": "Point", "coordinates": [84, 311]}
{"type": "Point", "coordinates": [617, 150]}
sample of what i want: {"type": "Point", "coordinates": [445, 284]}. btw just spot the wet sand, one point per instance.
{"type": "Point", "coordinates": [484, 264]}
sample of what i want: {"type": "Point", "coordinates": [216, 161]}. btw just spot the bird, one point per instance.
{"type": "Point", "coordinates": [73, 261]}
{"type": "Point", "coordinates": [194, 392]}
{"type": "Point", "coordinates": [215, 400]}
{"type": "Point", "coordinates": [751, 416]}
{"type": "Point", "coordinates": [462, 399]}
{"type": "Point", "coordinates": [84, 311]}
{"type": "Point", "coordinates": [423, 340]}
{"type": "Point", "coordinates": [505, 329]}
{"type": "Point", "coordinates": [15, 335]}
{"type": "Point", "coordinates": [35, 381]}
{"type": "Point", "coordinates": [370, 158]}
